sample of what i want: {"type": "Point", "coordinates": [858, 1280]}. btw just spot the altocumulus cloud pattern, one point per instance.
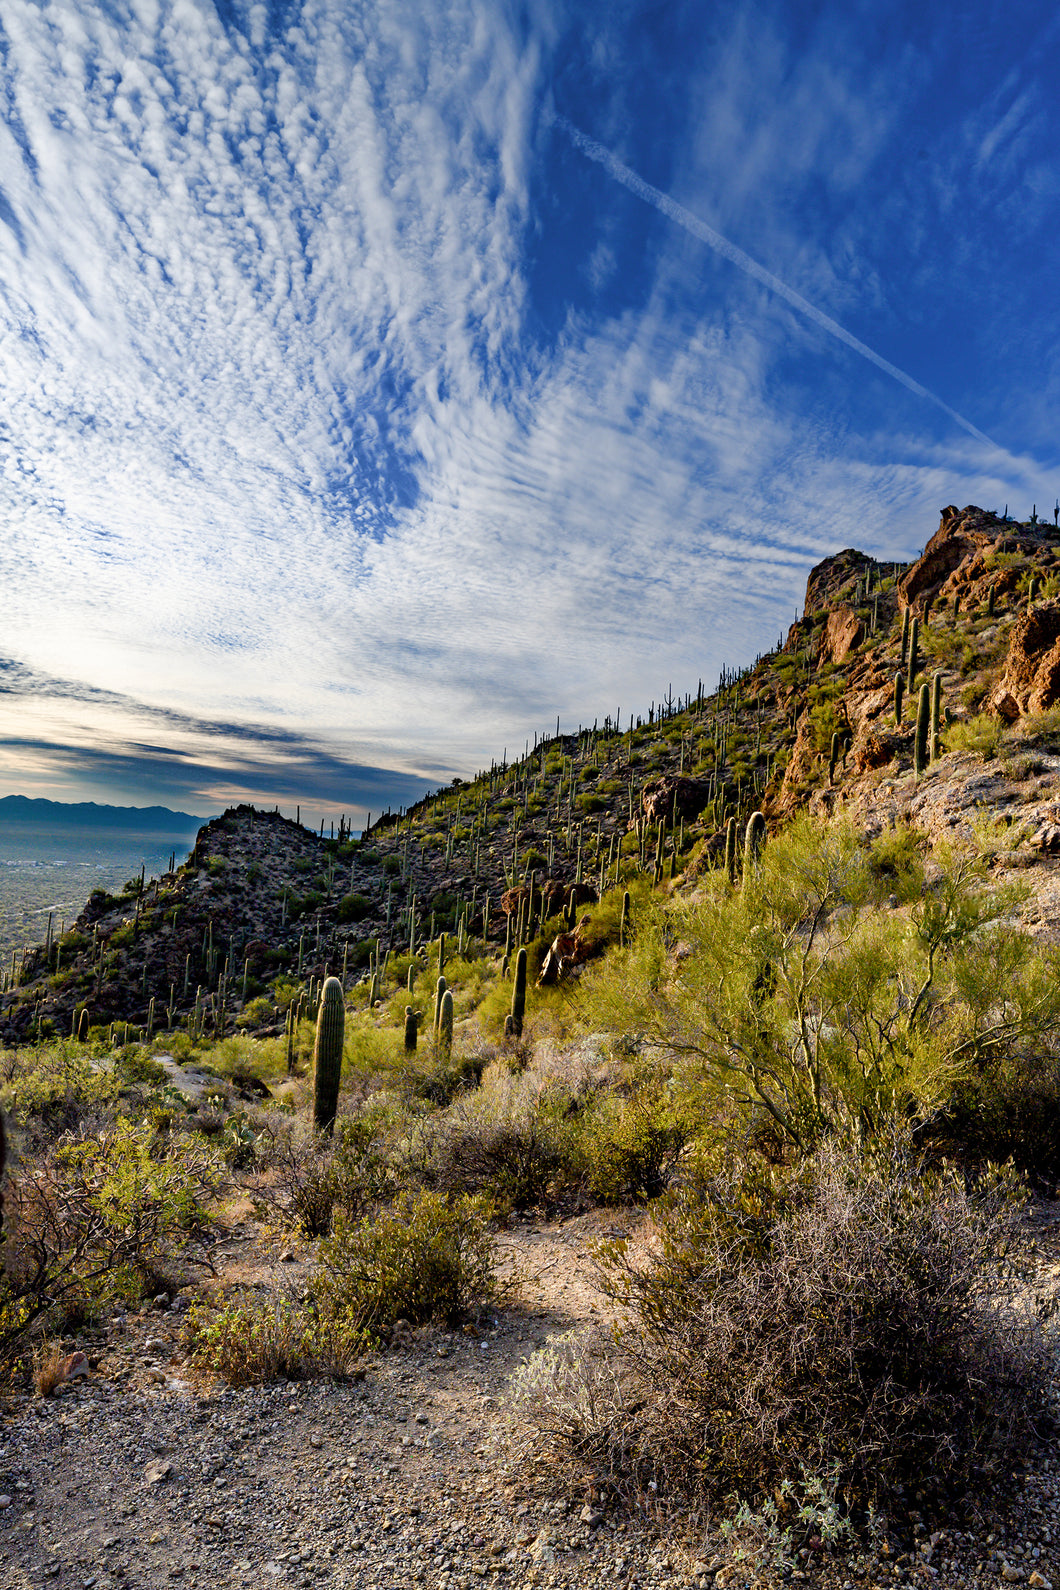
{"type": "Point", "coordinates": [358, 419]}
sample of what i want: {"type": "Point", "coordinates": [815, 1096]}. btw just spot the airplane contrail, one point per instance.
{"type": "Point", "coordinates": [721, 245]}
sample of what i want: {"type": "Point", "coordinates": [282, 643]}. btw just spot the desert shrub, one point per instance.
{"type": "Point", "coordinates": [56, 1089]}
{"type": "Point", "coordinates": [256, 1012]}
{"type": "Point", "coordinates": [895, 859]}
{"type": "Point", "coordinates": [424, 1258]}
{"type": "Point", "coordinates": [524, 1151]}
{"type": "Point", "coordinates": [433, 1077]}
{"type": "Point", "coordinates": [135, 1065]}
{"type": "Point", "coordinates": [1007, 1107]}
{"type": "Point", "coordinates": [353, 908]}
{"type": "Point", "coordinates": [980, 735]}
{"type": "Point", "coordinates": [795, 998]}
{"type": "Point", "coordinates": [348, 1172]}
{"type": "Point", "coordinates": [247, 1344]}
{"type": "Point", "coordinates": [632, 1145]}
{"type": "Point", "coordinates": [96, 1218]}
{"type": "Point", "coordinates": [848, 1316]}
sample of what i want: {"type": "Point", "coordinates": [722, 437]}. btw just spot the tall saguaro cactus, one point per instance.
{"type": "Point", "coordinates": [730, 850]}
{"type": "Point", "coordinates": [936, 714]}
{"type": "Point", "coordinates": [519, 995]}
{"type": "Point", "coordinates": [923, 721]}
{"type": "Point", "coordinates": [327, 1055]}
{"type": "Point", "coordinates": [914, 644]}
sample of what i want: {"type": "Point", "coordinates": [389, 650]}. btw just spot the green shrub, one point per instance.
{"type": "Point", "coordinates": [137, 1066]}
{"type": "Point", "coordinates": [980, 735]}
{"type": "Point", "coordinates": [256, 1012]}
{"type": "Point", "coordinates": [348, 1172]}
{"type": "Point", "coordinates": [98, 1218]}
{"type": "Point", "coordinates": [249, 1344]}
{"type": "Point", "coordinates": [524, 1150]}
{"type": "Point", "coordinates": [793, 999]}
{"type": "Point", "coordinates": [425, 1258]}
{"type": "Point", "coordinates": [633, 1145]}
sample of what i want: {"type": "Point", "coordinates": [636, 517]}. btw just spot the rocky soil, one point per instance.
{"type": "Point", "coordinates": [136, 1477]}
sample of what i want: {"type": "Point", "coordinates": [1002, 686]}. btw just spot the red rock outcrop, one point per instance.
{"type": "Point", "coordinates": [961, 534]}
{"type": "Point", "coordinates": [1030, 681]}
{"type": "Point", "coordinates": [843, 631]}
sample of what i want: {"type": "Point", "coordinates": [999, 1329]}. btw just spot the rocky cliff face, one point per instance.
{"type": "Point", "coordinates": [813, 724]}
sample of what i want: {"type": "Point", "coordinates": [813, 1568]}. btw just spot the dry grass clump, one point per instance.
{"type": "Point", "coordinates": [854, 1318]}
{"type": "Point", "coordinates": [48, 1360]}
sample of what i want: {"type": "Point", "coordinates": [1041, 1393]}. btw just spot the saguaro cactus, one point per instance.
{"type": "Point", "coordinates": [905, 638]}
{"type": "Point", "coordinates": [923, 720]}
{"type": "Point", "coordinates": [899, 697]}
{"type": "Point", "coordinates": [327, 1055]}
{"type": "Point", "coordinates": [411, 1028]}
{"type": "Point", "coordinates": [445, 1025]}
{"type": "Point", "coordinates": [936, 714]}
{"type": "Point", "coordinates": [730, 850]}
{"type": "Point", "coordinates": [914, 644]}
{"type": "Point", "coordinates": [519, 995]}
{"type": "Point", "coordinates": [623, 922]}
{"type": "Point", "coordinates": [439, 993]}
{"type": "Point", "coordinates": [754, 839]}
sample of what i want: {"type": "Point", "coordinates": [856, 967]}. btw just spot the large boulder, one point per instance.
{"type": "Point", "coordinates": [674, 796]}
{"type": "Point", "coordinates": [1030, 681]}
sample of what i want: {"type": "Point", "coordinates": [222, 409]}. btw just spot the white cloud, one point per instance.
{"type": "Point", "coordinates": [283, 445]}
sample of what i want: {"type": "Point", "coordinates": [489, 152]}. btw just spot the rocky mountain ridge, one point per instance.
{"type": "Point", "coordinates": [811, 724]}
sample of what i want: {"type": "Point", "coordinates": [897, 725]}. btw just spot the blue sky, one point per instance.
{"type": "Point", "coordinates": [382, 381]}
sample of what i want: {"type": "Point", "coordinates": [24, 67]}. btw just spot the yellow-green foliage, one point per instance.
{"type": "Point", "coordinates": [247, 1344]}
{"type": "Point", "coordinates": [58, 1082]}
{"type": "Point", "coordinates": [425, 1258]}
{"type": "Point", "coordinates": [980, 735]}
{"type": "Point", "coordinates": [797, 1001]}
{"type": "Point", "coordinates": [632, 1144]}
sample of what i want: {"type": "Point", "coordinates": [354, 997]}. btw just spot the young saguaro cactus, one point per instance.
{"type": "Point", "coordinates": [899, 697]}
{"type": "Point", "coordinates": [936, 714]}
{"type": "Point", "coordinates": [519, 995]}
{"type": "Point", "coordinates": [327, 1055]}
{"type": "Point", "coordinates": [905, 638]}
{"type": "Point", "coordinates": [914, 645]}
{"type": "Point", "coordinates": [730, 850]}
{"type": "Point", "coordinates": [923, 721]}
{"type": "Point", "coordinates": [445, 1025]}
{"type": "Point", "coordinates": [623, 921]}
{"type": "Point", "coordinates": [411, 1028]}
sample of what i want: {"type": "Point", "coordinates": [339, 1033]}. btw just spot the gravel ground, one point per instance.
{"type": "Point", "coordinates": [134, 1478]}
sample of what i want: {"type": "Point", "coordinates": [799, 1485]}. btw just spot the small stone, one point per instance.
{"type": "Point", "coordinates": [5, 1501]}
{"type": "Point", "coordinates": [1011, 1574]}
{"type": "Point", "coordinates": [1037, 1581]}
{"type": "Point", "coordinates": [287, 1257]}
{"type": "Point", "coordinates": [591, 1516]}
{"type": "Point", "coordinates": [316, 1440]}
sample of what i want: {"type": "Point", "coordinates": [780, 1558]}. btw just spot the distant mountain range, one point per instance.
{"type": "Point", "coordinates": [21, 811]}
